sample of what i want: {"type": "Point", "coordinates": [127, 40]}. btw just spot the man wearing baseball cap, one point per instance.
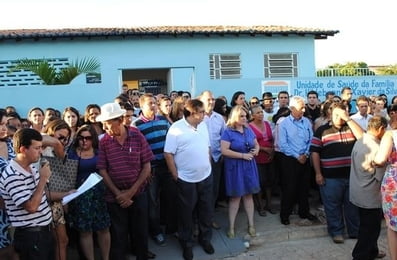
{"type": "Point", "coordinates": [124, 163]}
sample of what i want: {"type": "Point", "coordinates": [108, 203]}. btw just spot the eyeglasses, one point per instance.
{"type": "Point", "coordinates": [254, 102]}
{"type": "Point", "coordinates": [185, 96]}
{"type": "Point", "coordinates": [85, 138]}
{"type": "Point", "coordinates": [135, 93]}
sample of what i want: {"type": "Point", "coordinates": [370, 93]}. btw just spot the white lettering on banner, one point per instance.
{"type": "Point", "coordinates": [367, 86]}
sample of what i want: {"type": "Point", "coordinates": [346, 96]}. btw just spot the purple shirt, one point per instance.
{"type": "Point", "coordinates": [124, 162]}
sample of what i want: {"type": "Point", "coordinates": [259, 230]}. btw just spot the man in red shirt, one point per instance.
{"type": "Point", "coordinates": [124, 163]}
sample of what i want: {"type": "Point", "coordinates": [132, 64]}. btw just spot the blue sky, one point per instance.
{"type": "Point", "coordinates": [366, 29]}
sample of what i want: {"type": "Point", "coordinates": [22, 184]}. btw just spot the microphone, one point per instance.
{"type": "Point", "coordinates": [44, 161]}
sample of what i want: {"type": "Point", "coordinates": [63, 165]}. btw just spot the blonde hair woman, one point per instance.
{"type": "Point", "coordinates": [239, 146]}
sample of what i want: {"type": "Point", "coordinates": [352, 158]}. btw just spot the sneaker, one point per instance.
{"type": "Point", "coordinates": [159, 239]}
{"type": "Point", "coordinates": [338, 239]}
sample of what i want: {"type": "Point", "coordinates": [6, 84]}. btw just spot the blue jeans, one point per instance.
{"type": "Point", "coordinates": [338, 208]}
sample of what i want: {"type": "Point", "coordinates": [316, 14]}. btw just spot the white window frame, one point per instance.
{"type": "Point", "coordinates": [280, 65]}
{"type": "Point", "coordinates": [225, 66]}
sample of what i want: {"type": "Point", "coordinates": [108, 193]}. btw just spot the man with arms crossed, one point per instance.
{"type": "Point", "coordinates": [22, 186]}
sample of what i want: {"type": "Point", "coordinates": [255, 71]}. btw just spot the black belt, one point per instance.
{"type": "Point", "coordinates": [34, 229]}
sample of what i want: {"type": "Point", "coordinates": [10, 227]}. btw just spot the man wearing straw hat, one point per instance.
{"type": "Point", "coordinates": [124, 163]}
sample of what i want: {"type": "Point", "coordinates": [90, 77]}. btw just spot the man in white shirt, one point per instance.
{"type": "Point", "coordinates": [187, 154]}
{"type": "Point", "coordinates": [362, 117]}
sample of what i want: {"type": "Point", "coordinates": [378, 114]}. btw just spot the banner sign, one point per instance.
{"type": "Point", "coordinates": [365, 85]}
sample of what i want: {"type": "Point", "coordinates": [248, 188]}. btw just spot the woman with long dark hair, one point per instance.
{"type": "Point", "coordinates": [88, 212]}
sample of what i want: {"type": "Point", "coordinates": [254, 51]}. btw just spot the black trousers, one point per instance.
{"type": "Point", "coordinates": [34, 245]}
{"type": "Point", "coordinates": [136, 217]}
{"type": "Point", "coordinates": [295, 183]}
{"type": "Point", "coordinates": [216, 171]}
{"type": "Point", "coordinates": [366, 247]}
{"type": "Point", "coordinates": [195, 196]}
{"type": "Point", "coordinates": [162, 196]}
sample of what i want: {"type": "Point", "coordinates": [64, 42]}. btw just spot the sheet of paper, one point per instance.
{"type": "Point", "coordinates": [90, 182]}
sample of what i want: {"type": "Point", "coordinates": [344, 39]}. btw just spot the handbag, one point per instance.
{"type": "Point", "coordinates": [63, 173]}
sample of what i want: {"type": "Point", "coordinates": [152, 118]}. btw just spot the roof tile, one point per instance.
{"type": "Point", "coordinates": [164, 30]}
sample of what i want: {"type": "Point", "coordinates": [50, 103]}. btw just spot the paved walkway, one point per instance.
{"type": "Point", "coordinates": [299, 240]}
{"type": "Point", "coordinates": [306, 249]}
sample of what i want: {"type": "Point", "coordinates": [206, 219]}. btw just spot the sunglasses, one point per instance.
{"type": "Point", "coordinates": [254, 103]}
{"type": "Point", "coordinates": [135, 93]}
{"type": "Point", "coordinates": [85, 138]}
{"type": "Point", "coordinates": [62, 138]}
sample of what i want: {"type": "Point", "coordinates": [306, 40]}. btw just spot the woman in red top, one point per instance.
{"type": "Point", "coordinates": [264, 160]}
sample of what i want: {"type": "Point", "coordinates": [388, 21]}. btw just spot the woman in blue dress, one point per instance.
{"type": "Point", "coordinates": [88, 212]}
{"type": "Point", "coordinates": [239, 146]}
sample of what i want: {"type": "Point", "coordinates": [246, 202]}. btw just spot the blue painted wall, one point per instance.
{"type": "Point", "coordinates": [187, 55]}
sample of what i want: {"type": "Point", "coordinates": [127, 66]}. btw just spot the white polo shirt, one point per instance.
{"type": "Point", "coordinates": [190, 147]}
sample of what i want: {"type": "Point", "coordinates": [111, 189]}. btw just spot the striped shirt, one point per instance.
{"type": "Point", "coordinates": [155, 132]}
{"type": "Point", "coordinates": [123, 162]}
{"type": "Point", "coordinates": [17, 186]}
{"type": "Point", "coordinates": [334, 147]}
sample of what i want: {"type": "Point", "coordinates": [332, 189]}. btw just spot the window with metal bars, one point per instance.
{"type": "Point", "coordinates": [279, 65]}
{"type": "Point", "coordinates": [225, 66]}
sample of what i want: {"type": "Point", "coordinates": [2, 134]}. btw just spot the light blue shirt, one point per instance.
{"type": "Point", "coordinates": [216, 125]}
{"type": "Point", "coordinates": [295, 136]}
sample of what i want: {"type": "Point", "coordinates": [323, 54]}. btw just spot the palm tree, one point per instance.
{"type": "Point", "coordinates": [53, 76]}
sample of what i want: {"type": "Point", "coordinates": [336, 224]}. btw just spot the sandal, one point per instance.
{"type": "Point", "coordinates": [230, 233]}
{"type": "Point", "coordinates": [251, 231]}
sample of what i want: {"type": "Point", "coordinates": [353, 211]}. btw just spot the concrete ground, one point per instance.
{"type": "Point", "coordinates": [301, 239]}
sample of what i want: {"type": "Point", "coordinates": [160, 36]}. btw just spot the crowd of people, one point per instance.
{"type": "Point", "coordinates": [167, 161]}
